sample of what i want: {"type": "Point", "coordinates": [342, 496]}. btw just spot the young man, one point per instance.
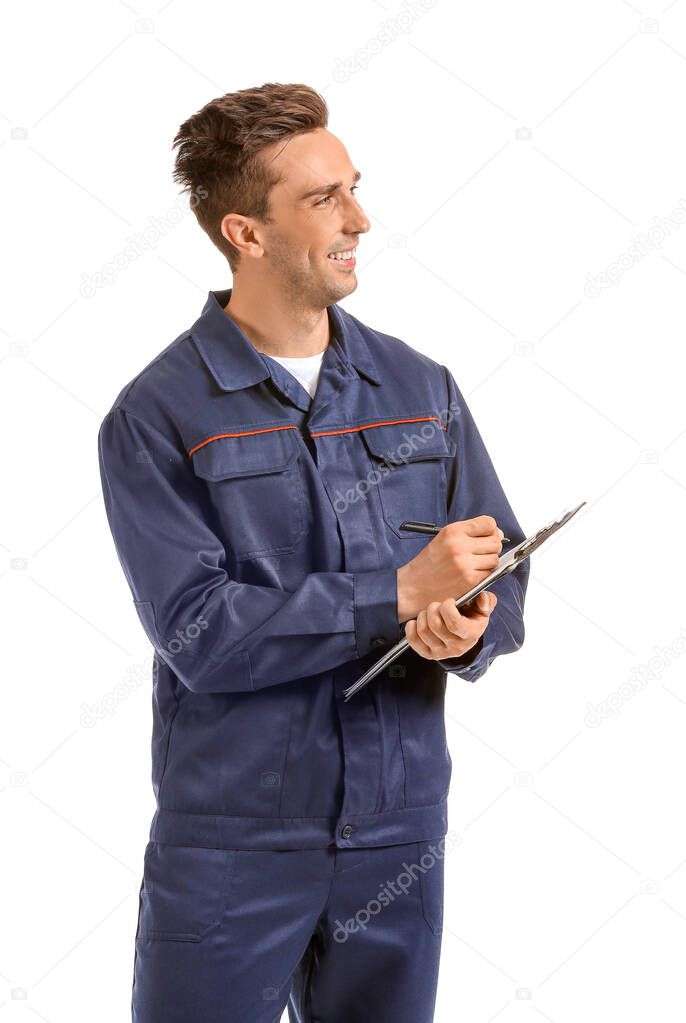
{"type": "Point", "coordinates": [256, 476]}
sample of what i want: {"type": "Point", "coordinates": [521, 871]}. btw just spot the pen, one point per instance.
{"type": "Point", "coordinates": [430, 529]}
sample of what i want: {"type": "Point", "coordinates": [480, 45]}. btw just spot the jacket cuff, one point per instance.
{"type": "Point", "coordinates": [376, 609]}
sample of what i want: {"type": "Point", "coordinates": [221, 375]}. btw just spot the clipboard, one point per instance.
{"type": "Point", "coordinates": [506, 563]}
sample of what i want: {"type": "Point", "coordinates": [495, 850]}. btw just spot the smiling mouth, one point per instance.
{"type": "Point", "coordinates": [344, 259]}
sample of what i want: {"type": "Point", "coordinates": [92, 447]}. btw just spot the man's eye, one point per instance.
{"type": "Point", "coordinates": [324, 198]}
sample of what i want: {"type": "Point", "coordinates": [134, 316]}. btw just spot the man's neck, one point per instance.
{"type": "Point", "coordinates": [277, 328]}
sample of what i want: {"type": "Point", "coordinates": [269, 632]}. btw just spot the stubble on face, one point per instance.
{"type": "Point", "coordinates": [304, 284]}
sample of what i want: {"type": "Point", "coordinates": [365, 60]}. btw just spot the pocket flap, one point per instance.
{"type": "Point", "coordinates": [401, 442]}
{"type": "Point", "coordinates": [246, 454]}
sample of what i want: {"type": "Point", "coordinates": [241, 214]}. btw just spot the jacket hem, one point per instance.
{"type": "Point", "coordinates": [218, 831]}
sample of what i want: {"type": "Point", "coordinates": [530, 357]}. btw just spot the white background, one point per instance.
{"type": "Point", "coordinates": [510, 154]}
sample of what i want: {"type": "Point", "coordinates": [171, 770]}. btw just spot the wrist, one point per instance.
{"type": "Point", "coordinates": [407, 597]}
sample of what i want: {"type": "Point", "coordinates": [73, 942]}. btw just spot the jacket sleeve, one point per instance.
{"type": "Point", "coordinates": [217, 634]}
{"type": "Point", "coordinates": [474, 489]}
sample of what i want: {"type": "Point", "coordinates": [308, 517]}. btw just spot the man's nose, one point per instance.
{"type": "Point", "coordinates": [355, 220]}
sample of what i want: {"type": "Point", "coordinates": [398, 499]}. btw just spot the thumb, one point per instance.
{"type": "Point", "coordinates": [486, 602]}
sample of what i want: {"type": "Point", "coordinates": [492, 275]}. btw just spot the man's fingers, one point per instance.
{"type": "Point", "coordinates": [446, 623]}
{"type": "Point", "coordinates": [482, 604]}
{"type": "Point", "coordinates": [486, 544]}
{"type": "Point", "coordinates": [486, 562]}
{"type": "Point", "coordinates": [433, 631]}
{"type": "Point", "coordinates": [482, 525]}
{"type": "Point", "coordinates": [453, 621]}
{"type": "Point", "coordinates": [413, 637]}
{"type": "Point", "coordinates": [438, 626]}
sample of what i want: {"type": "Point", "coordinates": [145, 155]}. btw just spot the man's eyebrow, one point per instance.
{"type": "Point", "coordinates": [325, 189]}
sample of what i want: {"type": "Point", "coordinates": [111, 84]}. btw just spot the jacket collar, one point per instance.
{"type": "Point", "coordinates": [235, 363]}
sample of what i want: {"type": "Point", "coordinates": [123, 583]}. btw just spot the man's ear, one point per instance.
{"type": "Point", "coordinates": [242, 233]}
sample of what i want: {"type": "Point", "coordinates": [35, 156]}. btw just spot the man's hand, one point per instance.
{"type": "Point", "coordinates": [456, 559]}
{"type": "Point", "coordinates": [441, 630]}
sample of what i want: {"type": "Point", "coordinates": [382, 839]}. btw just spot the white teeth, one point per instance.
{"type": "Point", "coordinates": [341, 255]}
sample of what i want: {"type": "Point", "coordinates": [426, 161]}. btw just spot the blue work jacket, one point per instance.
{"type": "Point", "coordinates": [258, 529]}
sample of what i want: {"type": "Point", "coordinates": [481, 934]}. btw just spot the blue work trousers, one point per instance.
{"type": "Point", "coordinates": [334, 935]}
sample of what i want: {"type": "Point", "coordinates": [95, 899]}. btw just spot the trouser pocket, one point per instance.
{"type": "Point", "coordinates": [431, 882]}
{"type": "Point", "coordinates": [184, 891]}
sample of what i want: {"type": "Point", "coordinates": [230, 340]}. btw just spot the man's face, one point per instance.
{"type": "Point", "coordinates": [308, 228]}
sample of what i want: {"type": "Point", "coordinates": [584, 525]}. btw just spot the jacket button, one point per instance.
{"type": "Point", "coordinates": [347, 831]}
{"type": "Point", "coordinates": [378, 640]}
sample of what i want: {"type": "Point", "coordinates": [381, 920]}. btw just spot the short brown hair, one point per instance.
{"type": "Point", "coordinates": [218, 152]}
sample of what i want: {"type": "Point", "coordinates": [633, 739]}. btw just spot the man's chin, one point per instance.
{"type": "Point", "coordinates": [318, 290]}
{"type": "Point", "coordinates": [343, 286]}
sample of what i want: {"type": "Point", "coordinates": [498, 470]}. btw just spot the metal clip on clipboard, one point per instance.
{"type": "Point", "coordinates": [506, 563]}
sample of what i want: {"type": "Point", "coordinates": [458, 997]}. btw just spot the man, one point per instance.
{"type": "Point", "coordinates": [296, 854]}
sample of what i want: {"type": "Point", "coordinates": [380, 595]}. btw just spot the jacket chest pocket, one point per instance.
{"type": "Point", "coordinates": [255, 484]}
{"type": "Point", "coordinates": [411, 463]}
